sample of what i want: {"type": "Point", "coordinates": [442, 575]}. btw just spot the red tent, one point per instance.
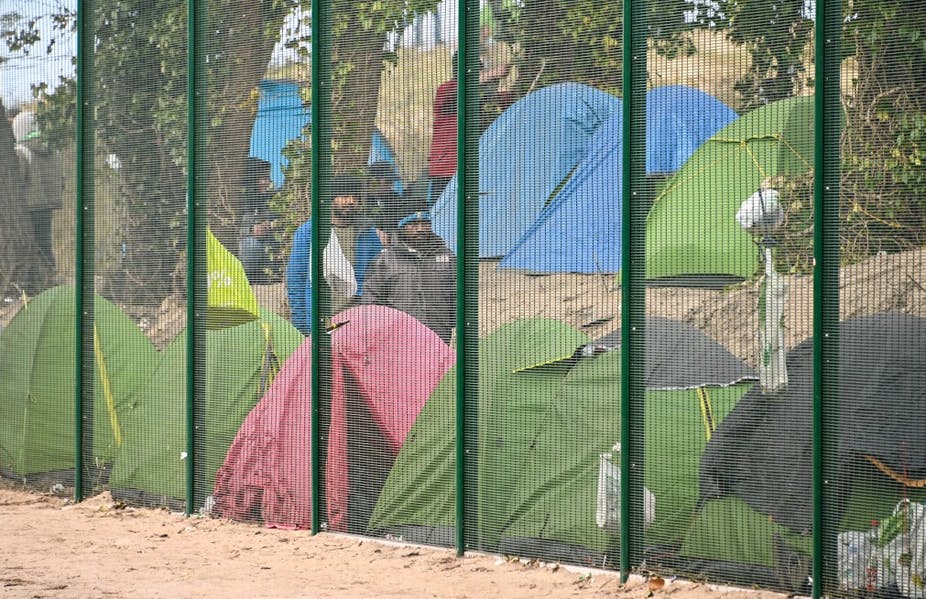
{"type": "Point", "coordinates": [385, 364]}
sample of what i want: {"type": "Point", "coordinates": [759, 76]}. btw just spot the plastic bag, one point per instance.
{"type": "Point", "coordinates": [904, 552]}
{"type": "Point", "coordinates": [608, 500]}
{"type": "Point", "coordinates": [856, 555]}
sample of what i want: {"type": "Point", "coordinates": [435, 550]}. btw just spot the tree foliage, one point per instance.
{"type": "Point", "coordinates": [140, 99]}
{"type": "Point", "coordinates": [582, 40]}
{"type": "Point", "coordinates": [141, 117]}
{"type": "Point", "coordinates": [884, 149]}
{"type": "Point", "coordinates": [778, 36]}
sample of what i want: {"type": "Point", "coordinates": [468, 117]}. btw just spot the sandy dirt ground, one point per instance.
{"type": "Point", "coordinates": [52, 548]}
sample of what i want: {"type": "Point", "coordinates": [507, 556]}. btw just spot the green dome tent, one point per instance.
{"type": "Point", "coordinates": [37, 378]}
{"type": "Point", "coordinates": [545, 417]}
{"type": "Point", "coordinates": [240, 364]}
{"type": "Point", "coordinates": [419, 491]}
{"type": "Point", "coordinates": [691, 230]}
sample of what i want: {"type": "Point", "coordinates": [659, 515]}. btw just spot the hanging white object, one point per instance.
{"type": "Point", "coordinates": [608, 500]}
{"type": "Point", "coordinates": [338, 271]}
{"type": "Point", "coordinates": [773, 371]}
{"type": "Point", "coordinates": [761, 212]}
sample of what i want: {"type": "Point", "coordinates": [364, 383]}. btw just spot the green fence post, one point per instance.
{"type": "Point", "coordinates": [633, 296]}
{"type": "Point", "coordinates": [196, 262]}
{"type": "Point", "coordinates": [83, 247]}
{"type": "Point", "coordinates": [827, 133]}
{"type": "Point", "coordinates": [321, 163]}
{"type": "Point", "coordinates": [467, 332]}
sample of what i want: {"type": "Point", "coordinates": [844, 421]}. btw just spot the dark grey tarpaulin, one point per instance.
{"type": "Point", "coordinates": [680, 356]}
{"type": "Point", "coordinates": [762, 451]}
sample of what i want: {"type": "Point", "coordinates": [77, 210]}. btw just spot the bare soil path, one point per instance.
{"type": "Point", "coordinates": [52, 548]}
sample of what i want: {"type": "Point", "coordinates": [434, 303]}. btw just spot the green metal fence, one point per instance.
{"type": "Point", "coordinates": [637, 285]}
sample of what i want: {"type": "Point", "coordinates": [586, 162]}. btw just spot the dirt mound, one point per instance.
{"type": "Point", "coordinates": [889, 282]}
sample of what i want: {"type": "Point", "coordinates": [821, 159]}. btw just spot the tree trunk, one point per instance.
{"type": "Point", "coordinates": [153, 174]}
{"type": "Point", "coordinates": [243, 37]}
{"type": "Point", "coordinates": [355, 95]}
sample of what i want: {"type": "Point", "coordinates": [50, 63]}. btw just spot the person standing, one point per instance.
{"type": "Point", "coordinates": [258, 247]}
{"type": "Point", "coordinates": [442, 157]}
{"type": "Point", "coordinates": [41, 169]}
{"type": "Point", "coordinates": [352, 246]}
{"type": "Point", "coordinates": [416, 274]}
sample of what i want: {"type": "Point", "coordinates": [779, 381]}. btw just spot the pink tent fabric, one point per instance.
{"type": "Point", "coordinates": [395, 361]}
{"type": "Point", "coordinates": [266, 471]}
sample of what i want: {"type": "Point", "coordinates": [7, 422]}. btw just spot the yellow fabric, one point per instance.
{"type": "Point", "coordinates": [707, 412]}
{"type": "Point", "coordinates": [107, 388]}
{"type": "Point", "coordinates": [230, 298]}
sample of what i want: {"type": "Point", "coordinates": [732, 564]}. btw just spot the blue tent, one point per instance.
{"type": "Point", "coordinates": [281, 117]}
{"type": "Point", "coordinates": [580, 230]}
{"type": "Point", "coordinates": [523, 156]}
{"type": "Point", "coordinates": [678, 120]}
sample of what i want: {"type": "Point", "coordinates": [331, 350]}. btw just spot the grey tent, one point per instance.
{"type": "Point", "coordinates": [679, 356]}
{"type": "Point", "coordinates": [761, 453]}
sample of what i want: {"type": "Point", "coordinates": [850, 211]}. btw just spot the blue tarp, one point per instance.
{"type": "Point", "coordinates": [523, 156]}
{"type": "Point", "coordinates": [580, 230]}
{"type": "Point", "coordinates": [281, 118]}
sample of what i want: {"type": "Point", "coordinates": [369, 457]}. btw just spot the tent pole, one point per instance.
{"type": "Point", "coordinates": [195, 255]}
{"type": "Point", "coordinates": [467, 328]}
{"type": "Point", "coordinates": [83, 250]}
{"type": "Point", "coordinates": [827, 133]}
{"type": "Point", "coordinates": [633, 297]}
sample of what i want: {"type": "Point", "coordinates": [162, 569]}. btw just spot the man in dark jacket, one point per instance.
{"type": "Point", "coordinates": [416, 274]}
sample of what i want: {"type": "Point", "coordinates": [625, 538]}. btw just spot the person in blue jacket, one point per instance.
{"type": "Point", "coordinates": [349, 252]}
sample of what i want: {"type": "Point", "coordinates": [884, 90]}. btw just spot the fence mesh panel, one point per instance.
{"type": "Point", "coordinates": [692, 275]}
{"type": "Point", "coordinates": [874, 414]}
{"type": "Point", "coordinates": [37, 247]}
{"type": "Point", "coordinates": [139, 136]}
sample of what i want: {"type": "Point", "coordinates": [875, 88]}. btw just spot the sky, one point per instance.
{"type": "Point", "coordinates": [20, 71]}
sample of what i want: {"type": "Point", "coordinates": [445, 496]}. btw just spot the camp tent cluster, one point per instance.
{"type": "Point", "coordinates": [550, 173]}
{"type": "Point", "coordinates": [550, 177]}
{"type": "Point", "coordinates": [548, 429]}
{"type": "Point", "coordinates": [550, 181]}
{"type": "Point", "coordinates": [385, 364]}
{"type": "Point", "coordinates": [726, 472]}
{"type": "Point", "coordinates": [138, 413]}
